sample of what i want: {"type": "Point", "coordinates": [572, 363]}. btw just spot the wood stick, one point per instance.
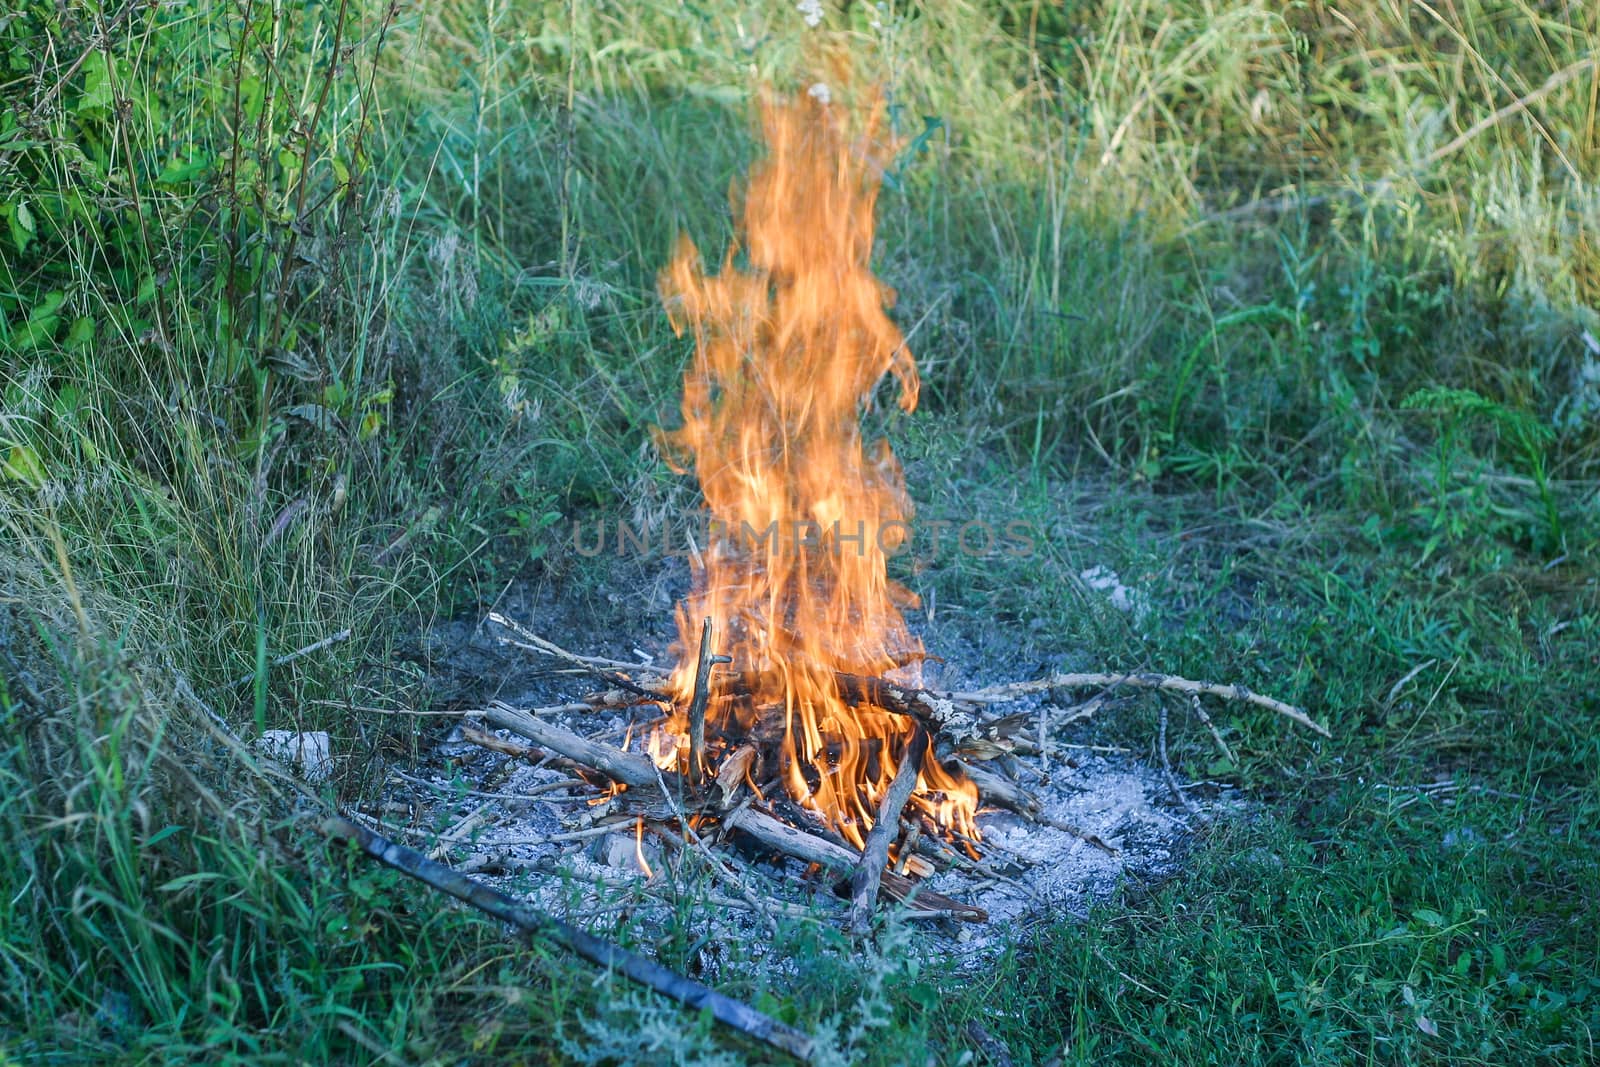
{"type": "Point", "coordinates": [640, 773]}
{"type": "Point", "coordinates": [781, 837]}
{"type": "Point", "coordinates": [1141, 680]}
{"type": "Point", "coordinates": [1216, 734]}
{"type": "Point", "coordinates": [995, 788]}
{"type": "Point", "coordinates": [515, 751]}
{"type": "Point", "coordinates": [941, 713]}
{"type": "Point", "coordinates": [1166, 765]}
{"type": "Point", "coordinates": [534, 643]}
{"type": "Point", "coordinates": [619, 766]}
{"type": "Point", "coordinates": [697, 705]}
{"type": "Point", "coordinates": [1093, 840]}
{"type": "Point", "coordinates": [647, 972]}
{"type": "Point", "coordinates": [869, 872]}
{"type": "Point", "coordinates": [290, 657]}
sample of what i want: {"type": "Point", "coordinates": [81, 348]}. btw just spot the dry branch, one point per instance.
{"type": "Point", "coordinates": [1140, 680]}
{"type": "Point", "coordinates": [619, 766]}
{"type": "Point", "coordinates": [724, 1009]}
{"type": "Point", "coordinates": [640, 773]}
{"type": "Point", "coordinates": [697, 704]}
{"type": "Point", "coordinates": [532, 642]}
{"type": "Point", "coordinates": [869, 872]}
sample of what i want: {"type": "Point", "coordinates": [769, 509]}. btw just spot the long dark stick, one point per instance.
{"type": "Point", "coordinates": [725, 1010]}
{"type": "Point", "coordinates": [869, 873]}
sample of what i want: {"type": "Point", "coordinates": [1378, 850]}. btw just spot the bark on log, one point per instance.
{"type": "Point", "coordinates": [634, 771]}
{"type": "Point", "coordinates": [994, 788]}
{"type": "Point", "coordinates": [941, 714]}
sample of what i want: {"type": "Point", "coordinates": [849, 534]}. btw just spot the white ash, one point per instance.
{"type": "Point", "coordinates": [1044, 873]}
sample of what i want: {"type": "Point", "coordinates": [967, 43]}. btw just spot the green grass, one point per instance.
{"type": "Point", "coordinates": [318, 316]}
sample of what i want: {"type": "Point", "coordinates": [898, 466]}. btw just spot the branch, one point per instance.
{"type": "Point", "coordinates": [647, 972]}
{"type": "Point", "coordinates": [1146, 680]}
{"type": "Point", "coordinates": [636, 771]}
{"type": "Point", "coordinates": [532, 642]}
{"type": "Point", "coordinates": [869, 872]}
{"type": "Point", "coordinates": [697, 704]}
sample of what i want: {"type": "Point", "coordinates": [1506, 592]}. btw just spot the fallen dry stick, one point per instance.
{"type": "Point", "coordinates": [532, 642]}
{"type": "Point", "coordinates": [619, 766]}
{"type": "Point", "coordinates": [1171, 683]}
{"type": "Point", "coordinates": [725, 1010]}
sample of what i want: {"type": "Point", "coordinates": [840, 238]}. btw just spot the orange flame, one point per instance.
{"type": "Point", "coordinates": [789, 348]}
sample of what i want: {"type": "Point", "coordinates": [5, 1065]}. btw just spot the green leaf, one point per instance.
{"type": "Point", "coordinates": [20, 221]}
{"type": "Point", "coordinates": [180, 172]}
{"type": "Point", "coordinates": [97, 93]}
{"type": "Point", "coordinates": [23, 465]}
{"type": "Point", "coordinates": [81, 332]}
{"type": "Point", "coordinates": [42, 321]}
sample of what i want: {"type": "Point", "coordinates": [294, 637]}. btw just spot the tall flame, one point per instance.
{"type": "Point", "coordinates": [789, 348]}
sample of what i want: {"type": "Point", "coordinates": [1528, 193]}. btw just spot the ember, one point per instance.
{"type": "Point", "coordinates": [789, 348]}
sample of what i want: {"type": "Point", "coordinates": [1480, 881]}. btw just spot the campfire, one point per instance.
{"type": "Point", "coordinates": [795, 725]}
{"type": "Point", "coordinates": [793, 590]}
{"type": "Point", "coordinates": [795, 719]}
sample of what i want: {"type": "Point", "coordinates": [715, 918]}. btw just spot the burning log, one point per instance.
{"type": "Point", "coordinates": [645, 971]}
{"type": "Point", "coordinates": [941, 713]}
{"type": "Point", "coordinates": [639, 773]}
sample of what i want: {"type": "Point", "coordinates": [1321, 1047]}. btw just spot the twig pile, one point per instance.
{"type": "Point", "coordinates": [702, 810]}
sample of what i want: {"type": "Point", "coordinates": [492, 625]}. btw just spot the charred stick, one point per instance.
{"type": "Point", "coordinates": [647, 972]}
{"type": "Point", "coordinates": [994, 788]}
{"type": "Point", "coordinates": [640, 773]}
{"type": "Point", "coordinates": [869, 872]}
{"type": "Point", "coordinates": [920, 899]}
{"type": "Point", "coordinates": [781, 837]}
{"type": "Point", "coordinates": [939, 712]}
{"type": "Point", "coordinates": [697, 705]}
